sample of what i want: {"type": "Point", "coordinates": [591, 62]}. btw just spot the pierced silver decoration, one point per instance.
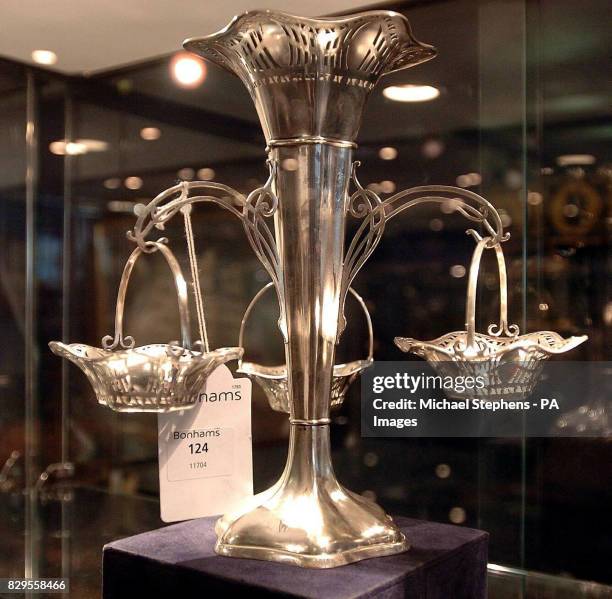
{"type": "Point", "coordinates": [160, 377]}
{"type": "Point", "coordinates": [509, 362]}
{"type": "Point", "coordinates": [252, 211]}
{"type": "Point", "coordinates": [363, 204]}
{"type": "Point", "coordinates": [310, 77]}
{"type": "Point", "coordinates": [309, 80]}
{"type": "Point", "coordinates": [262, 203]}
{"type": "Point", "coordinates": [273, 379]}
{"type": "Point", "coordinates": [366, 204]}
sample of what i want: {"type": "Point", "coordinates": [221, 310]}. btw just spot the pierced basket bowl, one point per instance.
{"type": "Point", "coordinates": [273, 380]}
{"type": "Point", "coordinates": [510, 366]}
{"type": "Point", "coordinates": [151, 378]}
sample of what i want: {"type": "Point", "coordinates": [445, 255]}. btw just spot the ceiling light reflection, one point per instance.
{"type": "Point", "coordinates": [370, 459]}
{"type": "Point", "coordinates": [45, 57]}
{"type": "Point", "coordinates": [133, 182]}
{"type": "Point", "coordinates": [411, 93]}
{"type": "Point", "coordinates": [63, 147]}
{"type": "Point", "coordinates": [469, 180]}
{"type": "Point", "coordinates": [150, 133]}
{"type": "Point", "coordinates": [457, 271]}
{"type": "Point", "coordinates": [187, 70]}
{"type": "Point", "coordinates": [443, 470]}
{"type": "Point", "coordinates": [206, 174]}
{"type": "Point", "coordinates": [387, 153]}
{"type": "Point", "coordinates": [186, 174]}
{"type": "Point", "coordinates": [457, 515]}
{"type": "Point", "coordinates": [387, 186]}
{"type": "Point", "coordinates": [575, 160]}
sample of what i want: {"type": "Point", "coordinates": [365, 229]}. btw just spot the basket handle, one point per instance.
{"type": "Point", "coordinates": [470, 311]}
{"type": "Point", "coordinates": [265, 288]}
{"type": "Point", "coordinates": [119, 341]}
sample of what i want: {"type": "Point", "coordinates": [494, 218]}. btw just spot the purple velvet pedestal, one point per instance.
{"type": "Point", "coordinates": [444, 562]}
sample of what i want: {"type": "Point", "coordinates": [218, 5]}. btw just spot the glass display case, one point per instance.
{"type": "Point", "coordinates": [519, 112]}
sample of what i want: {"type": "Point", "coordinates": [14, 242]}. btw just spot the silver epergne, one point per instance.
{"type": "Point", "coordinates": [309, 80]}
{"type": "Point", "coordinates": [509, 363]}
{"type": "Point", "coordinates": [160, 377]}
{"type": "Point", "coordinates": [273, 379]}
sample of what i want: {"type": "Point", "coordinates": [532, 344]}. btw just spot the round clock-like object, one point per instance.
{"type": "Point", "coordinates": [575, 208]}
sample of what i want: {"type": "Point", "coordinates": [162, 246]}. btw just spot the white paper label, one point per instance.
{"type": "Point", "coordinates": [205, 453]}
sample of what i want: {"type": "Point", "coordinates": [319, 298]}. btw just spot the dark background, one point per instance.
{"type": "Point", "coordinates": [522, 83]}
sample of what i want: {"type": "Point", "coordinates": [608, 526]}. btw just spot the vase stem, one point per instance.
{"type": "Point", "coordinates": [309, 80]}
{"type": "Point", "coordinates": [311, 186]}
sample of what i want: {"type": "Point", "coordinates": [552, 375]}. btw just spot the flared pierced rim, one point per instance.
{"type": "Point", "coordinates": [452, 346]}
{"type": "Point", "coordinates": [81, 352]}
{"type": "Point", "coordinates": [273, 380]}
{"type": "Point", "coordinates": [411, 53]}
{"type": "Point", "coordinates": [280, 372]}
{"type": "Point", "coordinates": [151, 378]}
{"type": "Point", "coordinates": [503, 338]}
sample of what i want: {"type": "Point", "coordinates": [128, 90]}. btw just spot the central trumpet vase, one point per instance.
{"type": "Point", "coordinates": [309, 79]}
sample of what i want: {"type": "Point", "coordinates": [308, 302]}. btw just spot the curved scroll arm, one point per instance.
{"type": "Point", "coordinates": [259, 205]}
{"type": "Point", "coordinates": [457, 200]}
{"type": "Point", "coordinates": [366, 204]}
{"type": "Point", "coordinates": [169, 203]}
{"type": "Point", "coordinates": [363, 204]}
{"type": "Point", "coordinates": [251, 210]}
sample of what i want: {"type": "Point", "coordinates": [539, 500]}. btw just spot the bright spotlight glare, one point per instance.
{"type": "Point", "coordinates": [63, 147]}
{"type": "Point", "coordinates": [411, 93]}
{"type": "Point", "coordinates": [45, 57]}
{"type": "Point", "coordinates": [188, 70]}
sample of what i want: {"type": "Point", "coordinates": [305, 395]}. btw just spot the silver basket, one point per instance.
{"type": "Point", "coordinates": [509, 363]}
{"type": "Point", "coordinates": [160, 377]}
{"type": "Point", "coordinates": [273, 379]}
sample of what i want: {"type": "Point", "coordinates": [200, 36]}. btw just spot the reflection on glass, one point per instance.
{"type": "Point", "coordinates": [536, 131]}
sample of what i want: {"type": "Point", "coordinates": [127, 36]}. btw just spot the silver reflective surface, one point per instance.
{"type": "Point", "coordinates": [310, 78]}
{"type": "Point", "coordinates": [273, 379]}
{"type": "Point", "coordinates": [150, 378]}
{"type": "Point", "coordinates": [307, 518]}
{"type": "Point", "coordinates": [153, 378]}
{"type": "Point", "coordinates": [505, 358]}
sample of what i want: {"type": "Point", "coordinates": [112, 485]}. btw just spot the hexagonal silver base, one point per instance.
{"type": "Point", "coordinates": [307, 518]}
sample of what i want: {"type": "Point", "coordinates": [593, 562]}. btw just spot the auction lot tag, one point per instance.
{"type": "Point", "coordinates": [205, 453]}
